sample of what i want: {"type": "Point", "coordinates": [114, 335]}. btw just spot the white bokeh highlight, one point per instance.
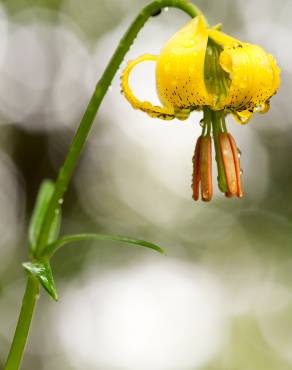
{"type": "Point", "coordinates": [42, 74]}
{"type": "Point", "coordinates": [12, 203]}
{"type": "Point", "coordinates": [161, 315]}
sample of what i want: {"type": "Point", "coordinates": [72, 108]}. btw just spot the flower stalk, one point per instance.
{"type": "Point", "coordinates": [217, 129]}
{"type": "Point", "coordinates": [23, 325]}
{"type": "Point", "coordinates": [66, 171]}
{"type": "Point", "coordinates": [102, 86]}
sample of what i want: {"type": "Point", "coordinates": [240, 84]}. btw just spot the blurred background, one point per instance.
{"type": "Point", "coordinates": [222, 298]}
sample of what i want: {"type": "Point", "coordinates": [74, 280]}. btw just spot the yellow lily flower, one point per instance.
{"type": "Point", "coordinates": [205, 69]}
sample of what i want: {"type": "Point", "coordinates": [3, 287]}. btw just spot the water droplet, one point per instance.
{"type": "Point", "coordinates": [202, 122]}
{"type": "Point", "coordinates": [156, 13]}
{"type": "Point", "coordinates": [166, 9]}
{"type": "Point", "coordinates": [241, 171]}
{"type": "Point", "coordinates": [61, 201]}
{"type": "Point", "coordinates": [238, 153]}
{"type": "Point", "coordinates": [189, 43]}
{"type": "Point", "coordinates": [209, 51]}
{"type": "Point", "coordinates": [167, 67]}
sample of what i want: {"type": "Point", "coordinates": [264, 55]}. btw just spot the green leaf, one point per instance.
{"type": "Point", "coordinates": [51, 248]}
{"type": "Point", "coordinates": [43, 272]}
{"type": "Point", "coordinates": [43, 198]}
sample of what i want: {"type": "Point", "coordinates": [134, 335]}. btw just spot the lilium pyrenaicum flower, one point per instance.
{"type": "Point", "coordinates": [205, 69]}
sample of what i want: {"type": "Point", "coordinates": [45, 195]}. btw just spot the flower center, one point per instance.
{"type": "Point", "coordinates": [217, 81]}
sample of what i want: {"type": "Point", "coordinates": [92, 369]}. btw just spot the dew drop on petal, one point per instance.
{"type": "Point", "coordinates": [189, 43]}
{"type": "Point", "coordinates": [167, 67]}
{"type": "Point", "coordinates": [241, 171]}
{"type": "Point", "coordinates": [238, 153]}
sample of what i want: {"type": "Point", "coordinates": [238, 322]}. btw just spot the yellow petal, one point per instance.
{"type": "Point", "coordinates": [166, 113]}
{"type": "Point", "coordinates": [254, 76]}
{"type": "Point", "coordinates": [276, 72]}
{"type": "Point", "coordinates": [180, 67]}
{"type": "Point", "coordinates": [222, 38]}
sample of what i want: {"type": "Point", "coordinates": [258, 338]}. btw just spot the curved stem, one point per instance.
{"type": "Point", "coordinates": [66, 171]}
{"type": "Point", "coordinates": [22, 328]}
{"type": "Point", "coordinates": [79, 139]}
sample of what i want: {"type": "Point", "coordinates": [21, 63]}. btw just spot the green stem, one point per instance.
{"type": "Point", "coordinates": [66, 171]}
{"type": "Point", "coordinates": [79, 139]}
{"type": "Point", "coordinates": [22, 328]}
{"type": "Point", "coordinates": [217, 118]}
{"type": "Point", "coordinates": [208, 120]}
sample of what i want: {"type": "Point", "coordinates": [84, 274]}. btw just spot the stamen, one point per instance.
{"type": "Point", "coordinates": [196, 171]}
{"type": "Point", "coordinates": [239, 192]}
{"type": "Point", "coordinates": [229, 165]}
{"type": "Point", "coordinates": [206, 168]}
{"type": "Point", "coordinates": [202, 169]}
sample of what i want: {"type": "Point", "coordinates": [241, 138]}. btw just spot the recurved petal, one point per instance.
{"type": "Point", "coordinates": [166, 113]}
{"type": "Point", "coordinates": [180, 67]}
{"type": "Point", "coordinates": [276, 72]}
{"type": "Point", "coordinates": [254, 76]}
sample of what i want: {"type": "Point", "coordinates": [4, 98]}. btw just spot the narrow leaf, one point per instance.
{"type": "Point", "coordinates": [51, 248]}
{"type": "Point", "coordinates": [43, 272]}
{"type": "Point", "coordinates": [43, 198]}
